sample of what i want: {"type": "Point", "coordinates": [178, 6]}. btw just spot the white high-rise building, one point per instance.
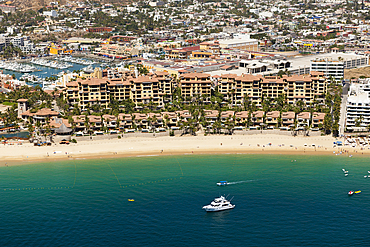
{"type": "Point", "coordinates": [358, 106]}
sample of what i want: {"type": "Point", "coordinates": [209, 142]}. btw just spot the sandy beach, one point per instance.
{"type": "Point", "coordinates": [267, 144]}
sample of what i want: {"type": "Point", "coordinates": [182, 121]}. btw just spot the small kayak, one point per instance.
{"type": "Point", "coordinates": [351, 193]}
{"type": "Point", "coordinates": [357, 191]}
{"type": "Point", "coordinates": [131, 200]}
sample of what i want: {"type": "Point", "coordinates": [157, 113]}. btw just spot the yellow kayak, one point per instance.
{"type": "Point", "coordinates": [358, 192]}
{"type": "Point", "coordinates": [131, 200]}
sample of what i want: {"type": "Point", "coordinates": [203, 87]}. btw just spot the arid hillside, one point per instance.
{"type": "Point", "coordinates": [356, 73]}
{"type": "Point", "coordinates": [34, 4]}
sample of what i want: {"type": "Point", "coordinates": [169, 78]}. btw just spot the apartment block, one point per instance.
{"type": "Point", "coordinates": [88, 92]}
{"type": "Point", "coordinates": [227, 116]}
{"type": "Point", "coordinates": [297, 87]}
{"type": "Point", "coordinates": [257, 118]}
{"type": "Point", "coordinates": [272, 119]}
{"type": "Point", "coordinates": [165, 85]}
{"type": "Point", "coordinates": [317, 119]}
{"type": "Point", "coordinates": [145, 90]}
{"type": "Point", "coordinates": [358, 106]}
{"type": "Point", "coordinates": [125, 121]}
{"type": "Point", "coordinates": [241, 118]}
{"type": "Point", "coordinates": [306, 88]}
{"type": "Point", "coordinates": [211, 116]}
{"type": "Point", "coordinates": [120, 89]}
{"type": "Point", "coordinates": [287, 120]}
{"type": "Point", "coordinates": [196, 85]}
{"type": "Point", "coordinates": [170, 118]}
{"type": "Point", "coordinates": [303, 120]}
{"type": "Point", "coordinates": [155, 88]}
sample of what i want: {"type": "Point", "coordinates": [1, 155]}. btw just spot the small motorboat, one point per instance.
{"type": "Point", "coordinates": [343, 170]}
{"type": "Point", "coordinates": [346, 174]}
{"type": "Point", "coordinates": [351, 192]}
{"type": "Point", "coordinates": [221, 183]}
{"type": "Point", "coordinates": [357, 191]}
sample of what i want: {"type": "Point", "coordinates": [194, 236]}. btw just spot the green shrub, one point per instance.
{"type": "Point", "coordinates": [73, 141]}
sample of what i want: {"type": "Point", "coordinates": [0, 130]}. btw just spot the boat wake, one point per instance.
{"type": "Point", "coordinates": [240, 182]}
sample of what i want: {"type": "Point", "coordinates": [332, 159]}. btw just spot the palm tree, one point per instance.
{"type": "Point", "coordinates": [166, 121]}
{"type": "Point", "coordinates": [217, 126]}
{"type": "Point", "coordinates": [87, 124]}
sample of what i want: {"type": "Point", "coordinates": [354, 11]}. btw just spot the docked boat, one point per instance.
{"type": "Point", "coordinates": [221, 183]}
{"type": "Point", "coordinates": [351, 192]}
{"type": "Point", "coordinates": [219, 204]}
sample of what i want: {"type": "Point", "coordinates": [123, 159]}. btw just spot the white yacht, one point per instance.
{"type": "Point", "coordinates": [219, 204]}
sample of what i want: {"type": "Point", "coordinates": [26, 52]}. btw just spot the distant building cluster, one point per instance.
{"type": "Point", "coordinates": [22, 42]}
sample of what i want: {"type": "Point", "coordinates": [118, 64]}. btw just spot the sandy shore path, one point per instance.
{"type": "Point", "coordinates": [275, 144]}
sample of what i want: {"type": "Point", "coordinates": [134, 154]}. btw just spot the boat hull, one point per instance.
{"type": "Point", "coordinates": [218, 209]}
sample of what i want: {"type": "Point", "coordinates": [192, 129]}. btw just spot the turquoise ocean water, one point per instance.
{"type": "Point", "coordinates": [279, 201]}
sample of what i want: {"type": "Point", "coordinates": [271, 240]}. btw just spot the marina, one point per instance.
{"type": "Point", "coordinates": [38, 70]}
{"type": "Point", "coordinates": [17, 67]}
{"type": "Point", "coordinates": [71, 59]}
{"type": "Point", "coordinates": [51, 64]}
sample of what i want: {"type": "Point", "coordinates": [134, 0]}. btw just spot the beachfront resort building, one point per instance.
{"type": "Point", "coordinates": [42, 116]}
{"type": "Point", "coordinates": [358, 106]}
{"type": "Point", "coordinates": [87, 92]}
{"type": "Point", "coordinates": [317, 120]}
{"type": "Point", "coordinates": [155, 88]}
{"type": "Point", "coordinates": [303, 120]}
{"type": "Point", "coordinates": [272, 119]}
{"type": "Point", "coordinates": [306, 88]}
{"type": "Point", "coordinates": [196, 85]}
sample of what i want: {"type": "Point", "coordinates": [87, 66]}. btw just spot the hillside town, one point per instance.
{"type": "Point", "coordinates": [184, 68]}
